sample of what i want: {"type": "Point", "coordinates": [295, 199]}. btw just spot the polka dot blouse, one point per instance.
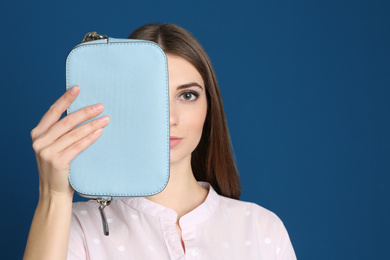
{"type": "Point", "coordinates": [220, 228]}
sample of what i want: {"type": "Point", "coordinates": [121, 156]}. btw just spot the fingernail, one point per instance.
{"type": "Point", "coordinates": [103, 119]}
{"type": "Point", "coordinates": [98, 107]}
{"type": "Point", "coordinates": [98, 131]}
{"type": "Point", "coordinates": [74, 89]}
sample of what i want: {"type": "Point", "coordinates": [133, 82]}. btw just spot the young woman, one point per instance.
{"type": "Point", "coordinates": [197, 216]}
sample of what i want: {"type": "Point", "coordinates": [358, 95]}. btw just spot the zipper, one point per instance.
{"type": "Point", "coordinates": [93, 36]}
{"type": "Point", "coordinates": [103, 203]}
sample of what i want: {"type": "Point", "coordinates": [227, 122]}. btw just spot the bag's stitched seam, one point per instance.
{"type": "Point", "coordinates": [167, 104]}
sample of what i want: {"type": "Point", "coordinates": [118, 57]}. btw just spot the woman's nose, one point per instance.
{"type": "Point", "coordinates": [173, 118]}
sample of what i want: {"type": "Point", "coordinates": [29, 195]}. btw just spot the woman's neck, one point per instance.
{"type": "Point", "coordinates": [182, 193]}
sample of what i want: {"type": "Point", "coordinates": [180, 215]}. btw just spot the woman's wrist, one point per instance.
{"type": "Point", "coordinates": [50, 196]}
{"type": "Point", "coordinates": [49, 233]}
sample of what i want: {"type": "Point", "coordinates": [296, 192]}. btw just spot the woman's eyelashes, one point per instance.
{"type": "Point", "coordinates": [189, 96]}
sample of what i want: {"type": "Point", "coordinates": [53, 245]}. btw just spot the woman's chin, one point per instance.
{"type": "Point", "coordinates": [176, 159]}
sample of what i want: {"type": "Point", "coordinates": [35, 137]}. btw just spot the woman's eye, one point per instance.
{"type": "Point", "coordinates": [189, 96]}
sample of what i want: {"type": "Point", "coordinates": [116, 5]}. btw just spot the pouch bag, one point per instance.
{"type": "Point", "coordinates": [131, 157]}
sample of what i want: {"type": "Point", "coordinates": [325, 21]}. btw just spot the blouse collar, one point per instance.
{"type": "Point", "coordinates": [194, 217]}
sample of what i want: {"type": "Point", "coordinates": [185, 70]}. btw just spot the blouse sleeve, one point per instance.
{"type": "Point", "coordinates": [273, 237]}
{"type": "Point", "coordinates": [285, 251]}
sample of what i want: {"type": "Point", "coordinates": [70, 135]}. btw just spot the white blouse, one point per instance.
{"type": "Point", "coordinates": [220, 228]}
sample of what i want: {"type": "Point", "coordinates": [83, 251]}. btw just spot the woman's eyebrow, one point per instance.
{"type": "Point", "coordinates": [188, 85]}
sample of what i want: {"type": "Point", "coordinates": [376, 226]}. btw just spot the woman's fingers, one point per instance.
{"type": "Point", "coordinates": [80, 133]}
{"type": "Point", "coordinates": [72, 151]}
{"type": "Point", "coordinates": [55, 111]}
{"type": "Point", "coordinates": [51, 151]}
{"type": "Point", "coordinates": [68, 123]}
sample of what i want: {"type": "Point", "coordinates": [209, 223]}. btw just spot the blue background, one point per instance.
{"type": "Point", "coordinates": [305, 86]}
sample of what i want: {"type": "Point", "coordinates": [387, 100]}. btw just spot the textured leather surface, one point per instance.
{"type": "Point", "coordinates": [130, 77]}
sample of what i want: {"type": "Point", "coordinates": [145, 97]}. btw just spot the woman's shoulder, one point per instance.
{"type": "Point", "coordinates": [83, 207]}
{"type": "Point", "coordinates": [85, 211]}
{"type": "Point", "coordinates": [89, 210]}
{"type": "Point", "coordinates": [250, 210]}
{"type": "Point", "coordinates": [249, 219]}
{"type": "Point", "coordinates": [86, 216]}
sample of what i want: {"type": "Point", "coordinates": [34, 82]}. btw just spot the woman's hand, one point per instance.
{"type": "Point", "coordinates": [56, 143]}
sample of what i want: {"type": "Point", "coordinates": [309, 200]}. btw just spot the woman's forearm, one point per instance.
{"type": "Point", "coordinates": [49, 233]}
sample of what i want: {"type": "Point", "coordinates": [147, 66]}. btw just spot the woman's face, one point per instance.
{"type": "Point", "coordinates": [188, 107]}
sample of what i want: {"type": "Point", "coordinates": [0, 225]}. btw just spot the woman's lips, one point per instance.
{"type": "Point", "coordinates": [175, 141]}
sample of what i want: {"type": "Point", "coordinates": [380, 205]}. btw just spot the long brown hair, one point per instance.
{"type": "Point", "coordinates": [212, 160]}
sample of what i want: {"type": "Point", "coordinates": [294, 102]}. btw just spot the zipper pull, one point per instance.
{"type": "Point", "coordinates": [92, 36]}
{"type": "Point", "coordinates": [103, 203]}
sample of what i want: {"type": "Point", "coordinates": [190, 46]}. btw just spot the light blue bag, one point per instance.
{"type": "Point", "coordinates": [131, 158]}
